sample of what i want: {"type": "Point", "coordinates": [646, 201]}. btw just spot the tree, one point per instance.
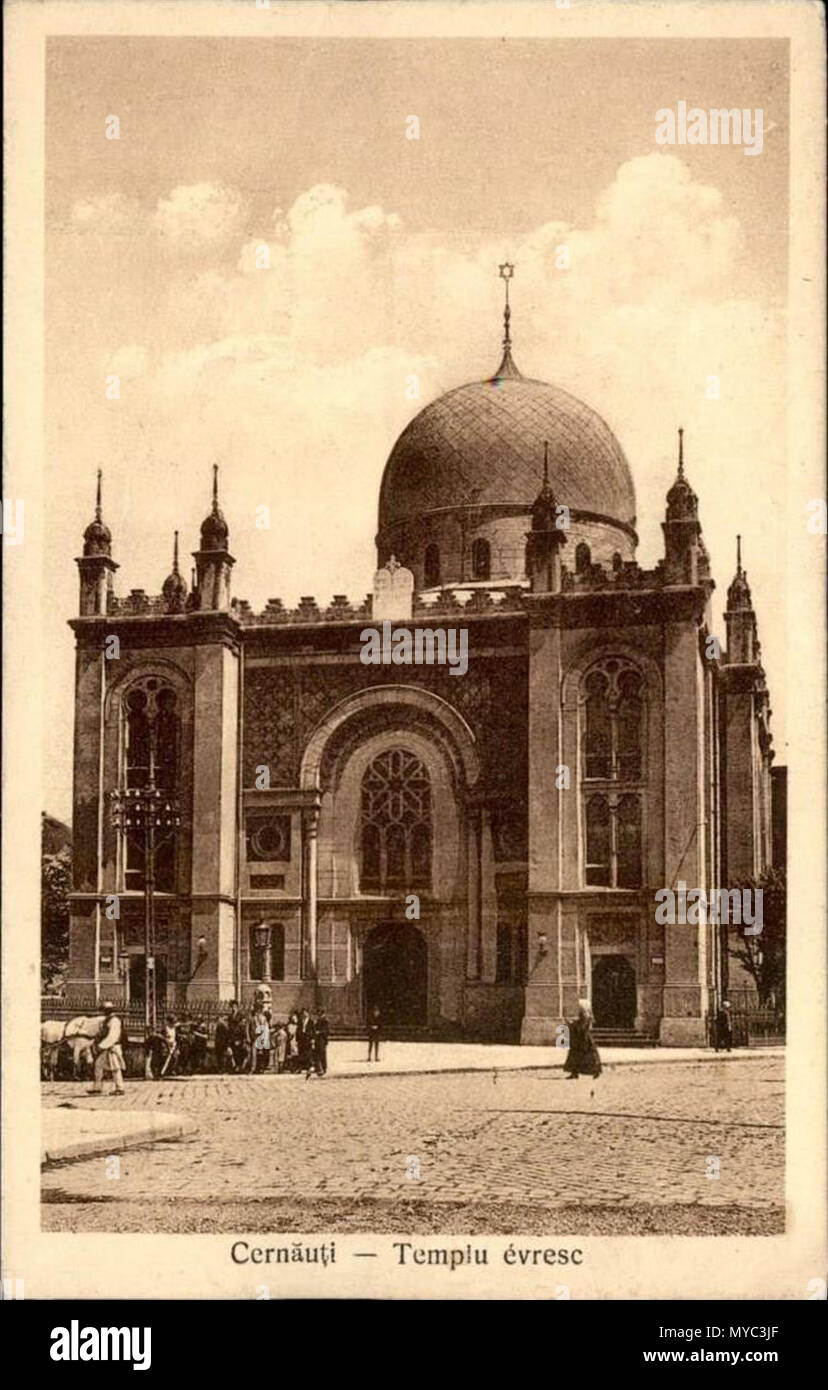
{"type": "Point", "coordinates": [55, 886]}
{"type": "Point", "coordinates": [763, 955]}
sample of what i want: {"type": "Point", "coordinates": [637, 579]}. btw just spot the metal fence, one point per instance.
{"type": "Point", "coordinates": [752, 1024]}
{"type": "Point", "coordinates": [197, 1011]}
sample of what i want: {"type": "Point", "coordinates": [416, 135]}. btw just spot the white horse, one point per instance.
{"type": "Point", "coordinates": [52, 1033]}
{"type": "Point", "coordinates": [79, 1034]}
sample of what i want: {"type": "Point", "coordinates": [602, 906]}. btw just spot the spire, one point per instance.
{"type": "Point", "coordinates": [174, 589]}
{"type": "Point", "coordinates": [507, 366]}
{"type": "Point", "coordinates": [545, 507]}
{"type": "Point", "coordinates": [211, 590]}
{"type": "Point", "coordinates": [97, 538]}
{"type": "Point", "coordinates": [545, 539]}
{"type": "Point", "coordinates": [738, 594]}
{"type": "Point", "coordinates": [96, 564]}
{"type": "Point", "coordinates": [682, 502]}
{"type": "Point", "coordinates": [214, 529]}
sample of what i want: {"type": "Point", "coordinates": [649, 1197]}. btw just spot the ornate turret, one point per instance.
{"type": "Point", "coordinates": [682, 502]}
{"type": "Point", "coordinates": [174, 588]}
{"type": "Point", "coordinates": [544, 541]}
{"type": "Point", "coordinates": [740, 618]}
{"type": "Point", "coordinates": [96, 565]}
{"type": "Point", "coordinates": [214, 530]}
{"type": "Point", "coordinates": [213, 561]}
{"type": "Point", "coordinates": [682, 532]}
{"type": "Point", "coordinates": [97, 538]}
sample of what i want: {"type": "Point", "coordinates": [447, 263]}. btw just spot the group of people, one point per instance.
{"type": "Point", "coordinates": [252, 1041]}
{"type": "Point", "coordinates": [179, 1047]}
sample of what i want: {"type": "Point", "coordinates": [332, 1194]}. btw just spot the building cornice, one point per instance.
{"type": "Point", "coordinates": [159, 629]}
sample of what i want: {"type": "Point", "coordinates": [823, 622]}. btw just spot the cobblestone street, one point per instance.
{"type": "Point", "coordinates": [499, 1151]}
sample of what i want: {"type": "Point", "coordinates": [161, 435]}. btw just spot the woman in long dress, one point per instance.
{"type": "Point", "coordinates": [582, 1058]}
{"type": "Point", "coordinates": [293, 1042]}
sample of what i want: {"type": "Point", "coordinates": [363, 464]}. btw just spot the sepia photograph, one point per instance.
{"type": "Point", "coordinates": [421, 586]}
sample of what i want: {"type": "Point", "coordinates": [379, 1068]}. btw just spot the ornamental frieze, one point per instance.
{"type": "Point", "coordinates": [283, 707]}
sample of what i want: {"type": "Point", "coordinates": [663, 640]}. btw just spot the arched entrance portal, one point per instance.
{"type": "Point", "coordinates": [395, 970]}
{"type": "Point", "coordinates": [613, 992]}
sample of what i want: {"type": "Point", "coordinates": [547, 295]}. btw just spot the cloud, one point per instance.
{"type": "Point", "coordinates": [109, 212]}
{"type": "Point", "coordinates": [199, 214]}
{"type": "Point", "coordinates": [294, 374]}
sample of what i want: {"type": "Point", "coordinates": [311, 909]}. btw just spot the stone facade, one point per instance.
{"type": "Point", "coordinates": [475, 852]}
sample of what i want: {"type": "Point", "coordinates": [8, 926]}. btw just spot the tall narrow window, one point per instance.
{"type": "Point", "coordinates": [137, 739]}
{"type": "Point", "coordinates": [396, 833]}
{"type": "Point", "coordinates": [598, 869]}
{"type": "Point", "coordinates": [481, 559]}
{"type": "Point", "coordinates": [277, 951]}
{"type": "Point", "coordinates": [259, 951]}
{"type": "Point", "coordinates": [431, 565]}
{"type": "Point", "coordinates": [628, 835]}
{"type": "Point", "coordinates": [151, 748]}
{"type": "Point", "coordinates": [598, 743]}
{"type": "Point", "coordinates": [613, 764]}
{"type": "Point", "coordinates": [583, 559]}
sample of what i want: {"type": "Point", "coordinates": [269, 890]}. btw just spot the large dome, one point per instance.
{"type": "Point", "coordinates": [483, 444]}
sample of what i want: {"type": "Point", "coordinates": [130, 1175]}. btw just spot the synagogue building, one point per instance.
{"type": "Point", "coordinates": [474, 851]}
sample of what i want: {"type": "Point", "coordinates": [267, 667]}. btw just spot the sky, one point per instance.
{"type": "Point", "coordinates": [383, 255]}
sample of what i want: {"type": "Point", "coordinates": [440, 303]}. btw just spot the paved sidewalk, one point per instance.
{"type": "Point", "coordinates": [347, 1058]}
{"type": "Point", "coordinates": [513, 1150]}
{"type": "Point", "coordinates": [71, 1133]}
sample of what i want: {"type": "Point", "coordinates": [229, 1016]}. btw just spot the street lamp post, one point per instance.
{"type": "Point", "coordinates": [150, 816]}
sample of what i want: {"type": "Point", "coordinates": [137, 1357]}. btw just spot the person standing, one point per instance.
{"type": "Point", "coordinates": [304, 1040]}
{"type": "Point", "coordinates": [239, 1037]}
{"type": "Point", "coordinates": [260, 1060]}
{"type": "Point", "coordinates": [281, 1047]}
{"type": "Point", "coordinates": [293, 1042]}
{"type": "Point", "coordinates": [374, 1033]}
{"type": "Point", "coordinates": [724, 1027]}
{"type": "Point", "coordinates": [582, 1058]}
{"type": "Point", "coordinates": [170, 1036]}
{"type": "Point", "coordinates": [221, 1045]}
{"type": "Point", "coordinates": [109, 1053]}
{"type": "Point", "coordinates": [184, 1041]}
{"type": "Point", "coordinates": [198, 1046]}
{"type": "Point", "coordinates": [321, 1033]}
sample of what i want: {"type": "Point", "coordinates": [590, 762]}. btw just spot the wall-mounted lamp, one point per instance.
{"type": "Point", "coordinates": [261, 936]}
{"type": "Point", "coordinates": [543, 943]}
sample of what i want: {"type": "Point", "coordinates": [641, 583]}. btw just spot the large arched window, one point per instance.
{"type": "Point", "coordinates": [431, 565]}
{"type": "Point", "coordinates": [612, 791]}
{"type": "Point", "coordinates": [481, 559]}
{"type": "Point", "coordinates": [151, 751]}
{"type": "Point", "coordinates": [395, 824]}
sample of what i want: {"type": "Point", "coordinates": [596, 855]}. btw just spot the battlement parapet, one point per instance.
{"type": "Point", "coordinates": [137, 603]}
{"type": "Point", "coordinates": [449, 603]}
{"type": "Point", "coordinates": [628, 575]}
